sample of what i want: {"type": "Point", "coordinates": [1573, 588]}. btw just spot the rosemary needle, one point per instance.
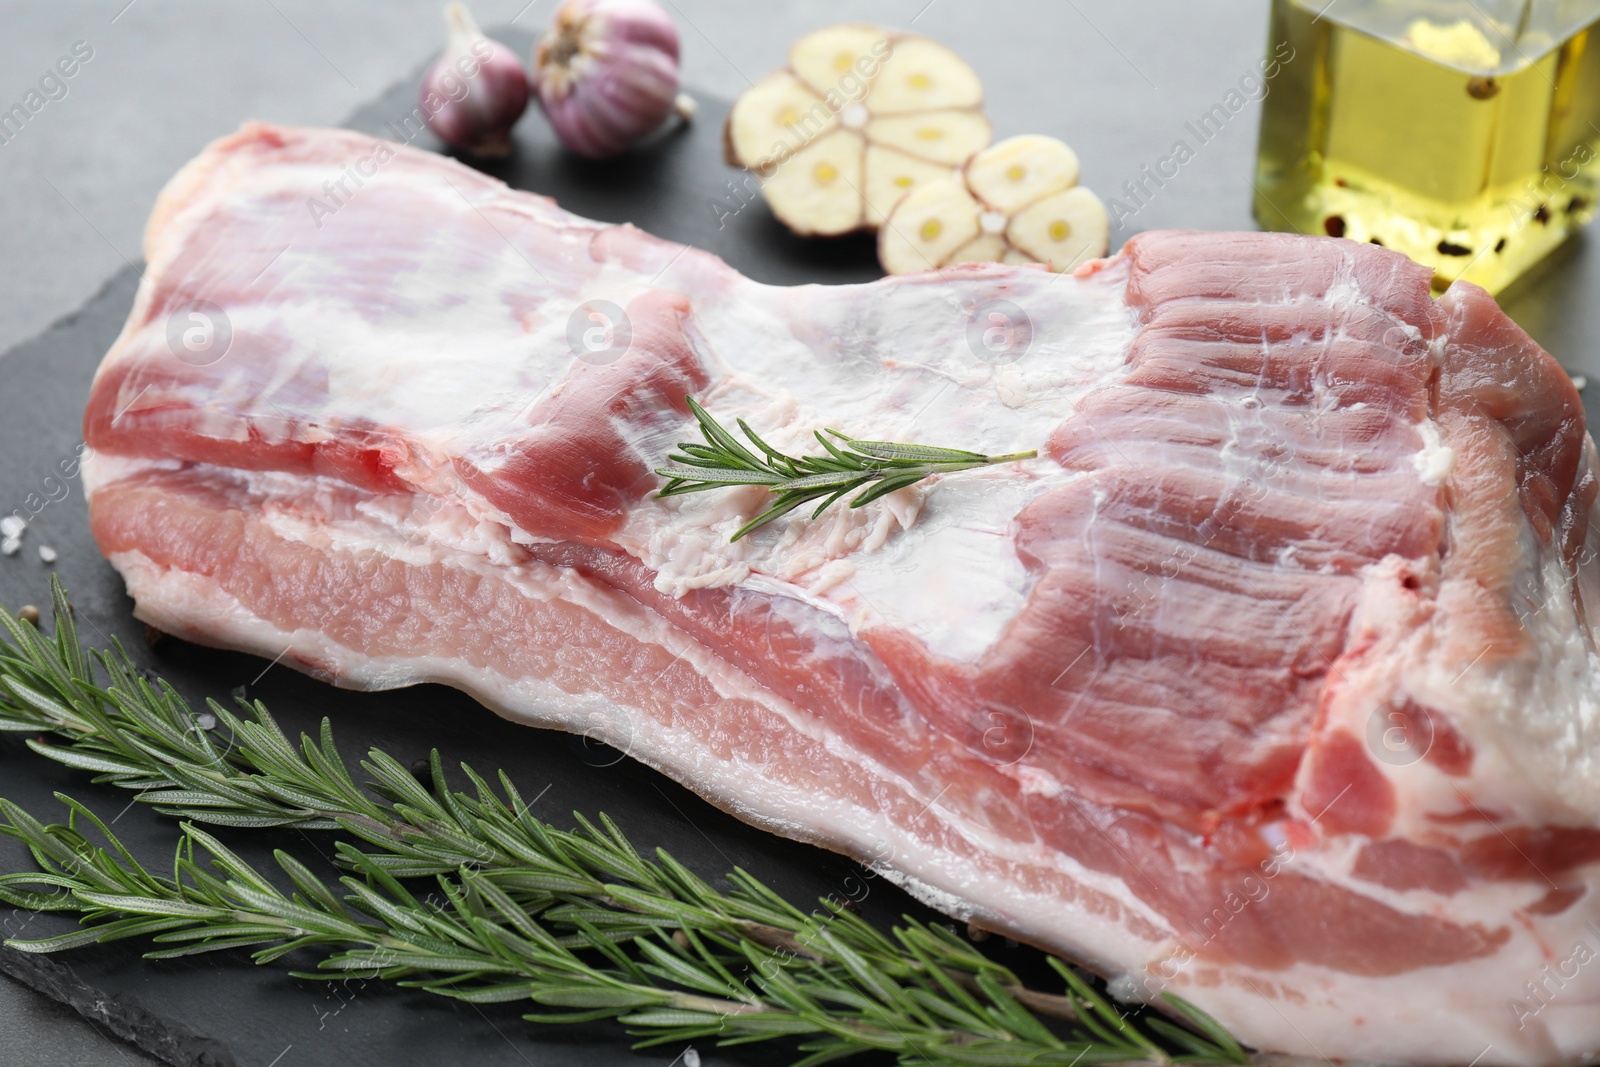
{"type": "Point", "coordinates": [876, 467]}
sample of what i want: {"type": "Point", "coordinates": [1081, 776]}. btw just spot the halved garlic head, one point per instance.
{"type": "Point", "coordinates": [861, 117]}
{"type": "Point", "coordinates": [1014, 202]}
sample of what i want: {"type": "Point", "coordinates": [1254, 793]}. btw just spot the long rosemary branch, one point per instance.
{"type": "Point", "coordinates": [571, 919]}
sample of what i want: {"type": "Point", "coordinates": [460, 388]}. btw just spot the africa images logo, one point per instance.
{"type": "Point", "coordinates": [599, 332]}
{"type": "Point", "coordinates": [199, 333]}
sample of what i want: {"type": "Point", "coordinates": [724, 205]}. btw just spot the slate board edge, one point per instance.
{"type": "Point", "coordinates": [168, 1040]}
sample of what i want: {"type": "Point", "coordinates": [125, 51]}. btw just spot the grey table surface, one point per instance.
{"type": "Point", "coordinates": [1115, 78]}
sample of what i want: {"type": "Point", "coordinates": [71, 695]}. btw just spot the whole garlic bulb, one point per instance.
{"type": "Point", "coordinates": [606, 73]}
{"type": "Point", "coordinates": [476, 91]}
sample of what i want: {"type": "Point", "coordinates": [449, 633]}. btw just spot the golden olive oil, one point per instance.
{"type": "Point", "coordinates": [1471, 145]}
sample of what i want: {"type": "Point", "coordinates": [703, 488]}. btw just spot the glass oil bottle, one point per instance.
{"type": "Point", "coordinates": [1464, 133]}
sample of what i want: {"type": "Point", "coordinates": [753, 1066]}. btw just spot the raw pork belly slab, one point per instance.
{"type": "Point", "coordinates": [1270, 683]}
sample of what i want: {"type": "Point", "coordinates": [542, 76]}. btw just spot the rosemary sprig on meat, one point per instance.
{"type": "Point", "coordinates": [466, 894]}
{"type": "Point", "coordinates": [877, 467]}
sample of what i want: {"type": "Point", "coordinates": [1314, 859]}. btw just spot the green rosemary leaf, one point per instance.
{"type": "Point", "coordinates": [1183, 1039]}
{"type": "Point", "coordinates": [36, 700]}
{"type": "Point", "coordinates": [843, 459]}
{"type": "Point", "coordinates": [600, 996]}
{"type": "Point", "coordinates": [200, 948]}
{"type": "Point", "coordinates": [679, 971]}
{"type": "Point", "coordinates": [770, 452]}
{"type": "Point", "coordinates": [710, 456]}
{"type": "Point", "coordinates": [717, 477]}
{"type": "Point", "coordinates": [1210, 1027]}
{"type": "Point", "coordinates": [784, 505]}
{"type": "Point", "coordinates": [721, 439]}
{"type": "Point", "coordinates": [504, 993]}
{"type": "Point", "coordinates": [561, 1018]}
{"type": "Point", "coordinates": [831, 499]}
{"type": "Point", "coordinates": [61, 943]}
{"type": "Point", "coordinates": [247, 822]}
{"type": "Point", "coordinates": [913, 453]}
{"type": "Point", "coordinates": [136, 905]}
{"type": "Point", "coordinates": [83, 761]}
{"type": "Point", "coordinates": [826, 480]}
{"type": "Point", "coordinates": [887, 485]}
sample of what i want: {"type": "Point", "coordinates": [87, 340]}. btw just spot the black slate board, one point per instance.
{"type": "Point", "coordinates": [221, 1010]}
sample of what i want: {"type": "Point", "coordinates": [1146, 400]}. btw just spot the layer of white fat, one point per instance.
{"type": "Point", "coordinates": [1474, 1012]}
{"type": "Point", "coordinates": [1533, 720]}
{"type": "Point", "coordinates": [936, 560]}
{"type": "Point", "coordinates": [104, 468]}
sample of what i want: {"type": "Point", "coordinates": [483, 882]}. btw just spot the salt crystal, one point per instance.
{"type": "Point", "coordinates": [10, 546]}
{"type": "Point", "coordinates": [206, 721]}
{"type": "Point", "coordinates": [11, 527]}
{"type": "Point", "coordinates": [691, 1058]}
{"type": "Point", "coordinates": [47, 554]}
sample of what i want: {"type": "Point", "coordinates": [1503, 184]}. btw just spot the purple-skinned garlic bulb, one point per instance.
{"type": "Point", "coordinates": [475, 92]}
{"type": "Point", "coordinates": [606, 74]}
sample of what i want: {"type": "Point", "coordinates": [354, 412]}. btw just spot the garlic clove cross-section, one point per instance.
{"type": "Point", "coordinates": [1014, 202]}
{"type": "Point", "coordinates": [770, 120]}
{"type": "Point", "coordinates": [861, 116]}
{"type": "Point", "coordinates": [890, 174]}
{"type": "Point", "coordinates": [923, 75]}
{"type": "Point", "coordinates": [821, 183]}
{"type": "Point", "coordinates": [1019, 170]}
{"type": "Point", "coordinates": [928, 227]}
{"type": "Point", "coordinates": [826, 57]}
{"type": "Point", "coordinates": [948, 137]}
{"type": "Point", "coordinates": [1063, 229]}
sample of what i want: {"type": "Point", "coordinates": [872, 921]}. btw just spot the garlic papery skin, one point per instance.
{"type": "Point", "coordinates": [476, 91]}
{"type": "Point", "coordinates": [606, 74]}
